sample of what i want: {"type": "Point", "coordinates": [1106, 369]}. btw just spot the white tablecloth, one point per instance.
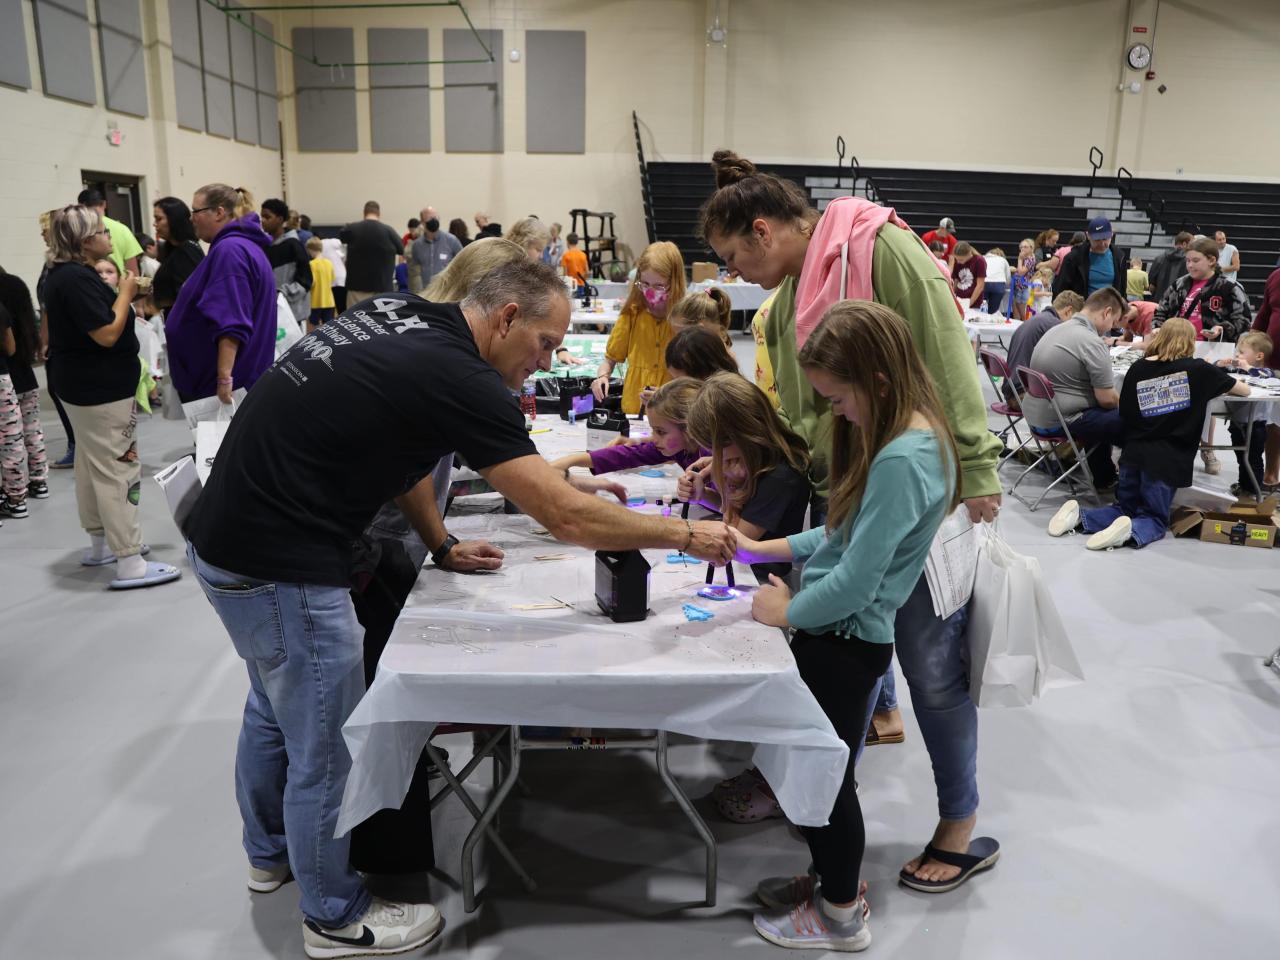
{"type": "Point", "coordinates": [608, 316]}
{"type": "Point", "coordinates": [460, 652]}
{"type": "Point", "coordinates": [743, 296]}
{"type": "Point", "coordinates": [986, 325]}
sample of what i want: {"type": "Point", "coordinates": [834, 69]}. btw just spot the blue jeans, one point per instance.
{"type": "Point", "coordinates": [1106, 429]}
{"type": "Point", "coordinates": [934, 657]}
{"type": "Point", "coordinates": [993, 294]}
{"type": "Point", "coordinates": [1144, 500]}
{"type": "Point", "coordinates": [884, 699]}
{"type": "Point", "coordinates": [303, 649]}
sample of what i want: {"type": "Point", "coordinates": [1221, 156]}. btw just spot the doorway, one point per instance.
{"type": "Point", "coordinates": [124, 197]}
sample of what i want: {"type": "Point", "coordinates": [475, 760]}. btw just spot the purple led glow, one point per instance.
{"type": "Point", "coordinates": [716, 592]}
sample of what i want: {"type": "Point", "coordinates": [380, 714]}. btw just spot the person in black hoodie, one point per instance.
{"type": "Point", "coordinates": [289, 259]}
{"type": "Point", "coordinates": [1169, 266]}
{"type": "Point", "coordinates": [1087, 268]}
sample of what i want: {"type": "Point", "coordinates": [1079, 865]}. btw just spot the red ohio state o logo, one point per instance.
{"type": "Point", "coordinates": [1215, 303]}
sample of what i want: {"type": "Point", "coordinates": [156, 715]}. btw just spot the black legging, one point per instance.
{"type": "Point", "coordinates": [391, 841]}
{"type": "Point", "coordinates": [842, 673]}
{"type": "Point", "coordinates": [57, 404]}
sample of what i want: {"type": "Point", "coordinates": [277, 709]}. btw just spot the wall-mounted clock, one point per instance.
{"type": "Point", "coordinates": [1139, 56]}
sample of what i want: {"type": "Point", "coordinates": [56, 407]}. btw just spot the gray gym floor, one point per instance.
{"type": "Point", "coordinates": [1137, 811]}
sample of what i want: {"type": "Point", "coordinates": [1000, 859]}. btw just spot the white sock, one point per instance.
{"type": "Point", "coordinates": [839, 914]}
{"type": "Point", "coordinates": [98, 546]}
{"type": "Point", "coordinates": [131, 568]}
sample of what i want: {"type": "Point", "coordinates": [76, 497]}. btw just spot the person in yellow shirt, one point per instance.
{"type": "Point", "coordinates": [322, 303]}
{"type": "Point", "coordinates": [1136, 280]}
{"type": "Point", "coordinates": [574, 260]}
{"type": "Point", "coordinates": [642, 332]}
{"type": "Point", "coordinates": [764, 366]}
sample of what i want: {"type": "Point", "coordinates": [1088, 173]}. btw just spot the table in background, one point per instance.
{"type": "Point", "coordinates": [742, 296]}
{"type": "Point", "coordinates": [989, 330]}
{"type": "Point", "coordinates": [606, 316]}
{"type": "Point", "coordinates": [461, 653]}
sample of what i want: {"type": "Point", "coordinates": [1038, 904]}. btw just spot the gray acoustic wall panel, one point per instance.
{"type": "Point", "coordinates": [184, 22]}
{"type": "Point", "coordinates": [325, 96]}
{"type": "Point", "coordinates": [472, 93]}
{"type": "Point", "coordinates": [219, 116]}
{"type": "Point", "coordinates": [399, 96]}
{"type": "Point", "coordinates": [66, 54]}
{"type": "Point", "coordinates": [268, 121]}
{"type": "Point", "coordinates": [555, 91]}
{"type": "Point", "coordinates": [264, 52]}
{"type": "Point", "coordinates": [124, 74]}
{"type": "Point", "coordinates": [245, 101]}
{"type": "Point", "coordinates": [215, 52]}
{"type": "Point", "coordinates": [15, 70]}
{"type": "Point", "coordinates": [242, 58]}
{"type": "Point", "coordinates": [188, 90]}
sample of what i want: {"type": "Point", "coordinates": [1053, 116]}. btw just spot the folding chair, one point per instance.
{"type": "Point", "coordinates": [1047, 441]}
{"type": "Point", "coordinates": [997, 369]}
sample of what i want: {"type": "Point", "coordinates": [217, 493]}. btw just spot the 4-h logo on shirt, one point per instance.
{"type": "Point", "coordinates": [1167, 394]}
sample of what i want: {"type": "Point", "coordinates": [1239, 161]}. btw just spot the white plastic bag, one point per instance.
{"type": "Point", "coordinates": [209, 434]}
{"type": "Point", "coordinates": [1018, 646]}
{"type": "Point", "coordinates": [211, 408]}
{"type": "Point", "coordinates": [288, 331]}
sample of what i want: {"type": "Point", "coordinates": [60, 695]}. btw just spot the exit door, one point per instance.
{"type": "Point", "coordinates": [124, 197]}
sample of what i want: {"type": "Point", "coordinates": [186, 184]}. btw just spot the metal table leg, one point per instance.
{"type": "Point", "coordinates": [455, 786]}
{"type": "Point", "coordinates": [708, 840]}
{"type": "Point", "coordinates": [482, 822]}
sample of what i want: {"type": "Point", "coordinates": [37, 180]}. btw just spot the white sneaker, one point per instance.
{"type": "Point", "coordinates": [269, 880]}
{"type": "Point", "coordinates": [386, 927]}
{"type": "Point", "coordinates": [1114, 536]}
{"type": "Point", "coordinates": [1066, 519]}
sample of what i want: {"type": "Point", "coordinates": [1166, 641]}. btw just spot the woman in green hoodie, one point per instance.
{"type": "Point", "coordinates": [761, 226]}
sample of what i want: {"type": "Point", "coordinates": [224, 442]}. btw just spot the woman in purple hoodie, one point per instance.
{"type": "Point", "coordinates": [221, 332]}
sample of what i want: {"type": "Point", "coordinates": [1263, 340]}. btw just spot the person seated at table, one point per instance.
{"type": "Point", "coordinates": [759, 466]}
{"type": "Point", "coordinates": [668, 414]}
{"type": "Point", "coordinates": [894, 477]}
{"type": "Point", "coordinates": [1023, 342]}
{"type": "Point", "coordinates": [642, 332]}
{"type": "Point", "coordinates": [710, 308]}
{"type": "Point", "coordinates": [1136, 322]}
{"type": "Point", "coordinates": [1163, 402]}
{"type": "Point", "coordinates": [1252, 353]}
{"type": "Point", "coordinates": [1074, 358]}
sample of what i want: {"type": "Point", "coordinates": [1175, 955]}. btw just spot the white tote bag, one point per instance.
{"type": "Point", "coordinates": [288, 330]}
{"type": "Point", "coordinates": [1018, 646]}
{"type": "Point", "coordinates": [211, 408]}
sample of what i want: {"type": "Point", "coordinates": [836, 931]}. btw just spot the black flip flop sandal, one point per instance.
{"type": "Point", "coordinates": [983, 854]}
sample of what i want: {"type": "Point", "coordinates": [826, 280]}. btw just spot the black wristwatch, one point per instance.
{"type": "Point", "coordinates": [442, 551]}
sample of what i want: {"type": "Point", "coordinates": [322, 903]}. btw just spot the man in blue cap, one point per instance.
{"type": "Point", "coordinates": [1090, 267]}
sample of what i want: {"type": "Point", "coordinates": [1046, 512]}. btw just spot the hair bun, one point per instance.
{"type": "Point", "coordinates": [730, 168]}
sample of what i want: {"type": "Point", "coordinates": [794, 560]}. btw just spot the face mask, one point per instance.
{"type": "Point", "coordinates": [656, 299]}
{"type": "Point", "coordinates": [433, 225]}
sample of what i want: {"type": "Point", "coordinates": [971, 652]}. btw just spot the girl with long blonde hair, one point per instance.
{"type": "Point", "coordinates": [1163, 404]}
{"type": "Point", "coordinates": [642, 332]}
{"type": "Point", "coordinates": [894, 477]}
{"type": "Point", "coordinates": [710, 308]}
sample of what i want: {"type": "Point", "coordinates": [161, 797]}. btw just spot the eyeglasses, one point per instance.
{"type": "Point", "coordinates": [657, 287]}
{"type": "Point", "coordinates": [202, 210]}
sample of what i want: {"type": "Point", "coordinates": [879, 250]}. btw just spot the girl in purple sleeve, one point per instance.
{"type": "Point", "coordinates": [667, 413]}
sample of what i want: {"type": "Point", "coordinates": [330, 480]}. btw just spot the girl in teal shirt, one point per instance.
{"type": "Point", "coordinates": [893, 479]}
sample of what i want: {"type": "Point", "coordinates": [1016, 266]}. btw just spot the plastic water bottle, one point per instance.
{"type": "Point", "coordinates": [528, 400]}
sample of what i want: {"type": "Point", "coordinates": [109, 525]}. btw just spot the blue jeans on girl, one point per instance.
{"type": "Point", "coordinates": [302, 646]}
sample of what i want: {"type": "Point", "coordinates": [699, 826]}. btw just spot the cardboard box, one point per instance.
{"type": "Point", "coordinates": [1244, 523]}
{"type": "Point", "coordinates": [705, 271]}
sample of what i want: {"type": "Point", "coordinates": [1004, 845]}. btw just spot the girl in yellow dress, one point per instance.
{"type": "Point", "coordinates": [642, 332]}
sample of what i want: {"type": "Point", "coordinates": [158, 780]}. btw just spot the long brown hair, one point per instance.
{"type": "Point", "coordinates": [732, 410]}
{"type": "Point", "coordinates": [709, 308]}
{"type": "Point", "coordinates": [744, 195]}
{"type": "Point", "coordinates": [868, 346]}
{"type": "Point", "coordinates": [699, 353]}
{"type": "Point", "coordinates": [663, 257]}
{"type": "Point", "coordinates": [673, 400]}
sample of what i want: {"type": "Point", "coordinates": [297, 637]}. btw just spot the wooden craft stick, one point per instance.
{"type": "Point", "coordinates": [554, 556]}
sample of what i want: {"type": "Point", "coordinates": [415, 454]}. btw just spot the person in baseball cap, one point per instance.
{"type": "Point", "coordinates": [1091, 266]}
{"type": "Point", "coordinates": [946, 235]}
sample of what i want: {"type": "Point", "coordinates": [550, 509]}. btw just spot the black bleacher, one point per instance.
{"type": "Point", "coordinates": [1000, 209]}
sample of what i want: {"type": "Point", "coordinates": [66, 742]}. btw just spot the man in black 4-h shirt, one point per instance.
{"type": "Point", "coordinates": [354, 415]}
